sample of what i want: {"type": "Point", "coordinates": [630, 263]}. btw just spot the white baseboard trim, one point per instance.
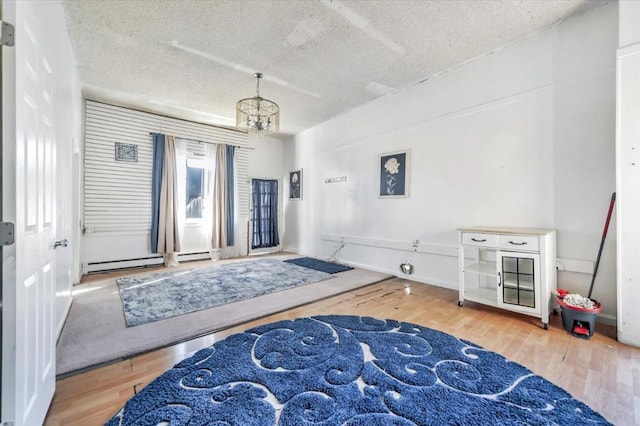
{"type": "Point", "coordinates": [63, 319]}
{"type": "Point", "coordinates": [143, 261]}
{"type": "Point", "coordinates": [601, 318]}
{"type": "Point", "coordinates": [418, 278]}
{"type": "Point", "coordinates": [607, 319]}
{"type": "Point", "coordinates": [632, 339]}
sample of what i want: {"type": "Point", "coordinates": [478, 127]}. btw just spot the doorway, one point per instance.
{"type": "Point", "coordinates": [263, 230]}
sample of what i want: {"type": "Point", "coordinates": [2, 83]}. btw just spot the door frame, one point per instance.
{"type": "Point", "coordinates": [266, 250]}
{"type": "Point", "coordinates": [2, 163]}
{"type": "Point", "coordinates": [8, 213]}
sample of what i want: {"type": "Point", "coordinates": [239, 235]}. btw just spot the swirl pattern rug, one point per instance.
{"type": "Point", "coordinates": [350, 370]}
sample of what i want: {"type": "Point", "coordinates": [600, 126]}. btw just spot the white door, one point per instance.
{"type": "Point", "coordinates": [28, 200]}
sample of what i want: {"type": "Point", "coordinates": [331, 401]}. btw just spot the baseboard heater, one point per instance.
{"type": "Point", "coordinates": [112, 265]}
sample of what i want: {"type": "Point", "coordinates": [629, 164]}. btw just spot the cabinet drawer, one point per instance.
{"type": "Point", "coordinates": [480, 240]}
{"type": "Point", "coordinates": [519, 242]}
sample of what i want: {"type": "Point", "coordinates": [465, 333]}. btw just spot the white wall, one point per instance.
{"type": "Point", "coordinates": [629, 32]}
{"type": "Point", "coordinates": [523, 136]}
{"type": "Point", "coordinates": [628, 175]}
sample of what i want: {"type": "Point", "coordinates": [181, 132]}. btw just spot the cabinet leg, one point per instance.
{"type": "Point", "coordinates": [545, 325]}
{"type": "Point", "coordinates": [460, 303]}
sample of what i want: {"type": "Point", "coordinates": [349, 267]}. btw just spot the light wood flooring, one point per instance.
{"type": "Point", "coordinates": [600, 371]}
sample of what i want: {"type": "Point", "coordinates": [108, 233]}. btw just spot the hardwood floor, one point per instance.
{"type": "Point", "coordinates": [600, 371]}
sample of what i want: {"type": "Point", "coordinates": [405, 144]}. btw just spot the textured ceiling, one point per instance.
{"type": "Point", "coordinates": [194, 59]}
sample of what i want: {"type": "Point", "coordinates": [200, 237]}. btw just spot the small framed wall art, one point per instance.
{"type": "Point", "coordinates": [295, 185]}
{"type": "Point", "coordinates": [394, 175]}
{"type": "Point", "coordinates": [126, 152]}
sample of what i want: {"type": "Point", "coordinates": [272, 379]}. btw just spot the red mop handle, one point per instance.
{"type": "Point", "coordinates": [606, 225]}
{"type": "Point", "coordinates": [604, 236]}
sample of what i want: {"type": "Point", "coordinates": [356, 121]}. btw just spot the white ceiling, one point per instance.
{"type": "Point", "coordinates": [194, 59]}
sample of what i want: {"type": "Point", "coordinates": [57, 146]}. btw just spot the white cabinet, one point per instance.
{"type": "Point", "coordinates": [509, 268]}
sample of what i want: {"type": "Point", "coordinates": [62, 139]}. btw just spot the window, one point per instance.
{"type": "Point", "coordinates": [195, 189]}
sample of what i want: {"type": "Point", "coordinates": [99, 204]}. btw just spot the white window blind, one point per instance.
{"type": "Point", "coordinates": [117, 194]}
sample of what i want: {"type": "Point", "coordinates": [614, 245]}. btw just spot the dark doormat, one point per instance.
{"type": "Point", "coordinates": [319, 265]}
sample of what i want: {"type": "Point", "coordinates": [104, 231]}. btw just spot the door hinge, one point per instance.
{"type": "Point", "coordinates": [7, 234]}
{"type": "Point", "coordinates": [7, 34]}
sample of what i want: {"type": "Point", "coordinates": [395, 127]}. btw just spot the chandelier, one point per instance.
{"type": "Point", "coordinates": [257, 114]}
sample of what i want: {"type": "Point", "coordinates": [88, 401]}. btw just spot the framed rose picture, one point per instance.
{"type": "Point", "coordinates": [295, 185]}
{"type": "Point", "coordinates": [394, 175]}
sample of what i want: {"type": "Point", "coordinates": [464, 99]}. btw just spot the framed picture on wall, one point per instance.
{"type": "Point", "coordinates": [394, 175]}
{"type": "Point", "coordinates": [126, 152]}
{"type": "Point", "coordinates": [295, 185]}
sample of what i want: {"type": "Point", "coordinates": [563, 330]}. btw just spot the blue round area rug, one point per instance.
{"type": "Point", "coordinates": [350, 370]}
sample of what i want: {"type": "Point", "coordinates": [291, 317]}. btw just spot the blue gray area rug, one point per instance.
{"type": "Point", "coordinates": [350, 370]}
{"type": "Point", "coordinates": [153, 297]}
{"type": "Point", "coordinates": [319, 265]}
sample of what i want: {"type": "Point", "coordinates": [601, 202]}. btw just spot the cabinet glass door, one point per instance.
{"type": "Point", "coordinates": [519, 275]}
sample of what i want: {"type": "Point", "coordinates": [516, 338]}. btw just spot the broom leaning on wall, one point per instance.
{"type": "Point", "coordinates": [578, 312]}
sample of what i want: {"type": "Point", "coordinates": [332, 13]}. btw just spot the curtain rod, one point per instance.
{"type": "Point", "coordinates": [211, 143]}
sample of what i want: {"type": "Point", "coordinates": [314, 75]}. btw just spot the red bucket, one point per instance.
{"type": "Point", "coordinates": [579, 321]}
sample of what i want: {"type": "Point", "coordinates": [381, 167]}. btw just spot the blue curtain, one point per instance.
{"type": "Point", "coordinates": [156, 185]}
{"type": "Point", "coordinates": [265, 213]}
{"type": "Point", "coordinates": [230, 196]}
